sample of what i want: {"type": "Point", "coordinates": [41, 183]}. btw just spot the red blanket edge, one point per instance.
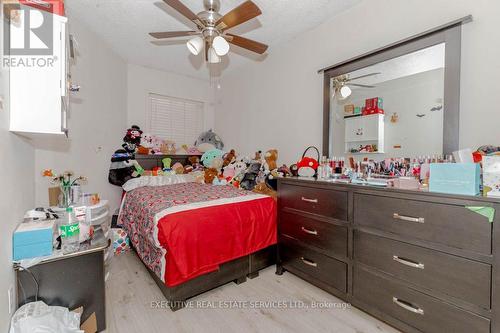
{"type": "Point", "coordinates": [199, 240]}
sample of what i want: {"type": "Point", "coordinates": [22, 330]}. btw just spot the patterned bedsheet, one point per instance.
{"type": "Point", "coordinates": [144, 207]}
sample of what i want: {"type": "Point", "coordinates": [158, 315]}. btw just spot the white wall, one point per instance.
{"type": "Point", "coordinates": [97, 122]}
{"type": "Point", "coordinates": [142, 81]}
{"type": "Point", "coordinates": [278, 102]}
{"type": "Point", "coordinates": [17, 192]}
{"type": "Point", "coordinates": [407, 96]}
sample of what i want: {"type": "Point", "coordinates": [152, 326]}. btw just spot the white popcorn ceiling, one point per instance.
{"type": "Point", "coordinates": [124, 25]}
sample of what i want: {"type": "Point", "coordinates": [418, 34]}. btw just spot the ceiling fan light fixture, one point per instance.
{"type": "Point", "coordinates": [195, 45]}
{"type": "Point", "coordinates": [213, 58]}
{"type": "Point", "coordinates": [345, 92]}
{"type": "Point", "coordinates": [221, 46]}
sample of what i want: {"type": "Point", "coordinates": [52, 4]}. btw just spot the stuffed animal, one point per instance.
{"type": "Point", "coordinates": [123, 168]}
{"type": "Point", "coordinates": [263, 188]}
{"type": "Point", "coordinates": [157, 144]}
{"type": "Point", "coordinates": [193, 160]}
{"type": "Point", "coordinates": [294, 170]}
{"type": "Point", "coordinates": [188, 169]}
{"type": "Point", "coordinates": [284, 171]}
{"type": "Point", "coordinates": [210, 175]}
{"type": "Point", "coordinates": [190, 150]}
{"type": "Point", "coordinates": [229, 172]}
{"type": "Point", "coordinates": [219, 182]}
{"type": "Point", "coordinates": [271, 158]}
{"type": "Point", "coordinates": [167, 164]}
{"type": "Point", "coordinates": [250, 177]}
{"type": "Point", "coordinates": [147, 141]}
{"type": "Point", "coordinates": [209, 141]}
{"type": "Point", "coordinates": [132, 139]}
{"type": "Point", "coordinates": [168, 147]}
{"type": "Point", "coordinates": [178, 168]}
{"type": "Point", "coordinates": [208, 158]}
{"type": "Point", "coordinates": [258, 156]}
{"type": "Point", "coordinates": [229, 157]}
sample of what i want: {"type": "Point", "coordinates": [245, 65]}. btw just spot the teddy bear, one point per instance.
{"type": "Point", "coordinates": [210, 175]}
{"type": "Point", "coordinates": [229, 157]}
{"type": "Point", "coordinates": [178, 168]}
{"type": "Point", "coordinates": [271, 158]}
{"type": "Point", "coordinates": [263, 188]}
{"type": "Point", "coordinates": [168, 147]}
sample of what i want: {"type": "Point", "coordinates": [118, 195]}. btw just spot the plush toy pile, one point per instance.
{"type": "Point", "coordinates": [216, 167]}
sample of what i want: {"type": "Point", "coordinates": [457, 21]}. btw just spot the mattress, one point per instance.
{"type": "Point", "coordinates": [185, 230]}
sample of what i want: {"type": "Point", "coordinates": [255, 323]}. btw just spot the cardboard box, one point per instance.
{"type": "Point", "coordinates": [349, 109]}
{"type": "Point", "coordinates": [455, 178]}
{"type": "Point", "coordinates": [89, 325]}
{"type": "Point", "coordinates": [491, 176]}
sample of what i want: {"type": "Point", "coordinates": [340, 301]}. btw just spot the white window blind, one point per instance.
{"type": "Point", "coordinates": [176, 119]}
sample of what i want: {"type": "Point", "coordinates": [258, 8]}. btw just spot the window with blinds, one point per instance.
{"type": "Point", "coordinates": [176, 119]}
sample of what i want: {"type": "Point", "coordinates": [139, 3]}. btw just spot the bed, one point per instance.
{"type": "Point", "coordinates": [194, 237]}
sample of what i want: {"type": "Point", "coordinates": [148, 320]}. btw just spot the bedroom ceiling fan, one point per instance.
{"type": "Point", "coordinates": [341, 84]}
{"type": "Point", "coordinates": [211, 32]}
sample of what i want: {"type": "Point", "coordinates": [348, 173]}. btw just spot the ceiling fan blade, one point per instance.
{"type": "Point", "coordinates": [362, 76]}
{"type": "Point", "coordinates": [360, 85]}
{"type": "Point", "coordinates": [171, 34]}
{"type": "Point", "coordinates": [247, 43]}
{"type": "Point", "coordinates": [246, 11]}
{"type": "Point", "coordinates": [207, 47]}
{"type": "Point", "coordinates": [185, 11]}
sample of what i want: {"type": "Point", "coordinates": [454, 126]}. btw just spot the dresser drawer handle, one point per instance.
{"type": "Point", "coordinates": [408, 218]}
{"type": "Point", "coordinates": [408, 262]}
{"type": "Point", "coordinates": [408, 306]}
{"type": "Point", "coordinates": [310, 200]}
{"type": "Point", "coordinates": [309, 262]}
{"type": "Point", "coordinates": [310, 232]}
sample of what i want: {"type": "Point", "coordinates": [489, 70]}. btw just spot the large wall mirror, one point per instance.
{"type": "Point", "coordinates": [399, 101]}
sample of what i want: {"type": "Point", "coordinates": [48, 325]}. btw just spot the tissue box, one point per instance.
{"type": "Point", "coordinates": [491, 176]}
{"type": "Point", "coordinates": [455, 178]}
{"type": "Point", "coordinates": [32, 239]}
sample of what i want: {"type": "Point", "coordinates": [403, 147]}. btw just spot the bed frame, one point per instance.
{"type": "Point", "coordinates": [236, 271]}
{"type": "Point", "coordinates": [233, 271]}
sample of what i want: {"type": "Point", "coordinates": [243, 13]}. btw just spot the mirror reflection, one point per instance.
{"type": "Point", "coordinates": [390, 109]}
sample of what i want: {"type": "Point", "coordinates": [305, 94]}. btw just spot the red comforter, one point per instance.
{"type": "Point", "coordinates": [185, 230]}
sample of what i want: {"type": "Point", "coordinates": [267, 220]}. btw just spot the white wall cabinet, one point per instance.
{"type": "Point", "coordinates": [38, 94]}
{"type": "Point", "coordinates": [364, 130]}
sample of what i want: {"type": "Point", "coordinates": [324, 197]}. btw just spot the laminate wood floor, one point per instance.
{"type": "Point", "coordinates": [132, 305]}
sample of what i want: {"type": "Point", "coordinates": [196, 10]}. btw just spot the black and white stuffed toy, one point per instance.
{"type": "Point", "coordinates": [123, 164]}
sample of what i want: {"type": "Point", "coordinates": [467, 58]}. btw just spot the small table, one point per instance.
{"type": "Point", "coordinates": [69, 280]}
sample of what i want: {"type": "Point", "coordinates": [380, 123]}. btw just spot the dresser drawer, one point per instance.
{"type": "Point", "coordinates": [328, 270]}
{"type": "Point", "coordinates": [323, 235]}
{"type": "Point", "coordinates": [458, 277]}
{"type": "Point", "coordinates": [423, 312]}
{"type": "Point", "coordinates": [330, 203]}
{"type": "Point", "coordinates": [449, 225]}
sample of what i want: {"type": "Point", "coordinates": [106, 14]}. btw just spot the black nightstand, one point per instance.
{"type": "Point", "coordinates": [71, 280]}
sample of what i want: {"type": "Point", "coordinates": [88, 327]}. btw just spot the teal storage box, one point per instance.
{"type": "Point", "coordinates": [455, 178]}
{"type": "Point", "coordinates": [32, 239]}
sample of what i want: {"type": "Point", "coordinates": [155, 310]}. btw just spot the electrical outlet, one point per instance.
{"type": "Point", "coordinates": [11, 297]}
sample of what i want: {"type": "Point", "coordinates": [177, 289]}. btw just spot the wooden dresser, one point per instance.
{"type": "Point", "coordinates": [421, 262]}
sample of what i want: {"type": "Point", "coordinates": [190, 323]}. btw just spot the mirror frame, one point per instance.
{"type": "Point", "coordinates": [451, 35]}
